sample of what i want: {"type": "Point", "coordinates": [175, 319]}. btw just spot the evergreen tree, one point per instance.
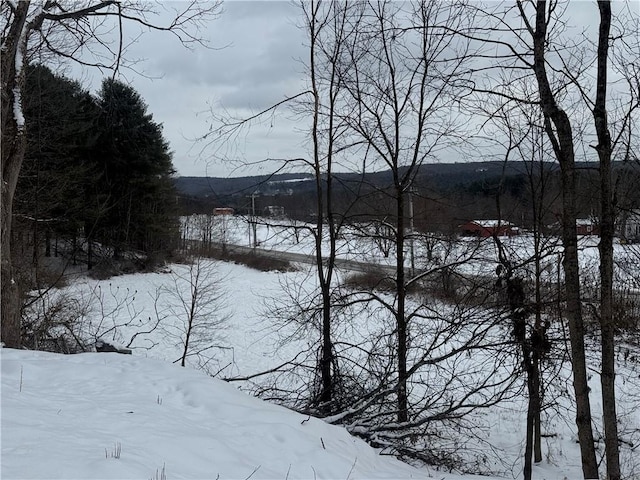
{"type": "Point", "coordinates": [135, 183]}
{"type": "Point", "coordinates": [57, 167]}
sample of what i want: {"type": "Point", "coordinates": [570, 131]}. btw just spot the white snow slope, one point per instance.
{"type": "Point", "coordinates": [69, 417]}
{"type": "Point", "coordinates": [111, 416]}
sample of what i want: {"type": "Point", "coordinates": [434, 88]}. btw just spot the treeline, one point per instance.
{"type": "Point", "coordinates": [443, 196]}
{"type": "Point", "coordinates": [97, 175]}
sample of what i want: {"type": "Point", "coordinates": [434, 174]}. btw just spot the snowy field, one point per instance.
{"type": "Point", "coordinates": [363, 243]}
{"type": "Point", "coordinates": [97, 415]}
{"type": "Point", "coordinates": [110, 416]}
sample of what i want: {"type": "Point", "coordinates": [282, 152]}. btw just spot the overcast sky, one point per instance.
{"type": "Point", "coordinates": [253, 62]}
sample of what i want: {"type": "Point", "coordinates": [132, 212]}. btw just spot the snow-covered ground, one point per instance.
{"type": "Point", "coordinates": [111, 416]}
{"type": "Point", "coordinates": [358, 242]}
{"type": "Point", "coordinates": [71, 416]}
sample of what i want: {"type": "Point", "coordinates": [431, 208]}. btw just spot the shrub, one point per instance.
{"type": "Point", "coordinates": [254, 259]}
{"type": "Point", "coordinates": [372, 279]}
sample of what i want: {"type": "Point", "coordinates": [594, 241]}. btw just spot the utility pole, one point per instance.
{"type": "Point", "coordinates": [253, 218]}
{"type": "Point", "coordinates": [411, 236]}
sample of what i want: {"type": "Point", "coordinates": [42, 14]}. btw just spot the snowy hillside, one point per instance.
{"type": "Point", "coordinates": [69, 417]}
{"type": "Point", "coordinates": [110, 416]}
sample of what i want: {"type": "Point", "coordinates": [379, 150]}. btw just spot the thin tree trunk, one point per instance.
{"type": "Point", "coordinates": [324, 273]}
{"type": "Point", "coordinates": [36, 215]}
{"type": "Point", "coordinates": [89, 254]}
{"type": "Point", "coordinates": [401, 320]}
{"type": "Point", "coordinates": [575, 321]}
{"type": "Point", "coordinates": [539, 332]}
{"type": "Point", "coordinates": [535, 400]}
{"type": "Point", "coordinates": [528, 449]}
{"type": "Point", "coordinates": [607, 326]}
{"type": "Point", "coordinates": [194, 279]}
{"type": "Point", "coordinates": [519, 313]}
{"type": "Point", "coordinates": [558, 129]}
{"type": "Point", "coordinates": [532, 446]}
{"type": "Point", "coordinates": [10, 295]}
{"type": "Point", "coordinates": [537, 406]}
{"type": "Point", "coordinates": [14, 143]}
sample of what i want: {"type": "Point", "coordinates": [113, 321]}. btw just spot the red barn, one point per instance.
{"type": "Point", "coordinates": [223, 211]}
{"type": "Point", "coordinates": [584, 226]}
{"type": "Point", "coordinates": [587, 226]}
{"type": "Point", "coordinates": [488, 228]}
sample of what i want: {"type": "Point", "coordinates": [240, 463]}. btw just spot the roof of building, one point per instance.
{"type": "Point", "coordinates": [585, 221]}
{"type": "Point", "coordinates": [492, 223]}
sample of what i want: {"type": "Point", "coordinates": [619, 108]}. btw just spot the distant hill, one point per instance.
{"type": "Point", "coordinates": [220, 186]}
{"type": "Point", "coordinates": [440, 176]}
{"type": "Point", "coordinates": [447, 193]}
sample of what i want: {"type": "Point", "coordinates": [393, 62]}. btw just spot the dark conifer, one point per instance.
{"type": "Point", "coordinates": [135, 177]}
{"type": "Point", "coordinates": [57, 169]}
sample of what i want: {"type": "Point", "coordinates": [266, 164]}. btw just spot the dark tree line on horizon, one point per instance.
{"type": "Point", "coordinates": [441, 201]}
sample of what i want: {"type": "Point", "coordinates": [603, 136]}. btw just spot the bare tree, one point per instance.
{"type": "Point", "coordinates": [570, 75]}
{"type": "Point", "coordinates": [405, 72]}
{"type": "Point", "coordinates": [605, 150]}
{"type": "Point", "coordinates": [66, 31]}
{"type": "Point", "coordinates": [383, 78]}
{"type": "Point", "coordinates": [192, 311]}
{"type": "Point", "coordinates": [327, 25]}
{"type": "Point", "coordinates": [519, 133]}
{"type": "Point", "coordinates": [564, 149]}
{"type": "Point", "coordinates": [400, 72]}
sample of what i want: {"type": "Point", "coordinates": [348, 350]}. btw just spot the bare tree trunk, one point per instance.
{"type": "Point", "coordinates": [519, 311]}
{"type": "Point", "coordinates": [574, 315]}
{"type": "Point", "coordinates": [533, 449]}
{"type": "Point", "coordinates": [326, 28]}
{"type": "Point", "coordinates": [10, 296]}
{"type": "Point", "coordinates": [326, 354]}
{"type": "Point", "coordinates": [539, 327]}
{"type": "Point", "coordinates": [537, 421]}
{"type": "Point", "coordinates": [528, 449]}
{"type": "Point", "coordinates": [194, 276]}
{"type": "Point", "coordinates": [401, 319]}
{"type": "Point", "coordinates": [14, 143]}
{"type": "Point", "coordinates": [607, 326]}
{"type": "Point", "coordinates": [558, 128]}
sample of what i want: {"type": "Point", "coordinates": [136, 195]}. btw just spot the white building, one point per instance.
{"type": "Point", "coordinates": [630, 227]}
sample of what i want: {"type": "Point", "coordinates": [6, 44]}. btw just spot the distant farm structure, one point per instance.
{"type": "Point", "coordinates": [630, 226]}
{"type": "Point", "coordinates": [584, 226]}
{"type": "Point", "coordinates": [223, 211]}
{"type": "Point", "coordinates": [488, 228]}
{"type": "Point", "coordinates": [274, 211]}
{"type": "Point", "coordinates": [587, 226]}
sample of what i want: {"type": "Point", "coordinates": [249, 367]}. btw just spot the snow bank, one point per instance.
{"type": "Point", "coordinates": [71, 417]}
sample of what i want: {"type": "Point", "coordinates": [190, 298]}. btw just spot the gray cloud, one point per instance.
{"type": "Point", "coordinates": [251, 65]}
{"type": "Point", "coordinates": [254, 62]}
